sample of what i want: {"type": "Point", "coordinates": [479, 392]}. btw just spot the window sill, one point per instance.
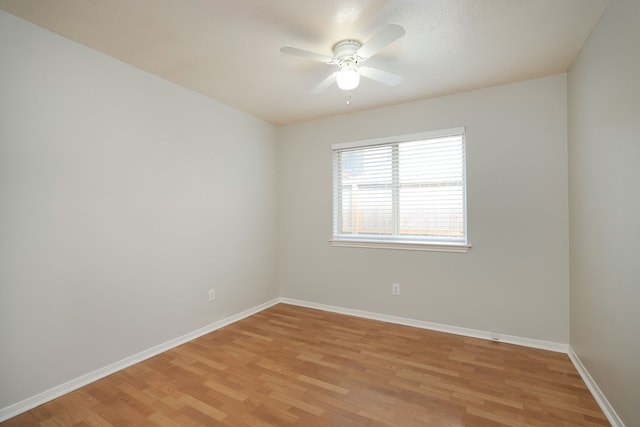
{"type": "Point", "coordinates": [411, 246]}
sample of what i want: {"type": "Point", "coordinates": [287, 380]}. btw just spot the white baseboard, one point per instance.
{"type": "Point", "coordinates": [76, 383]}
{"type": "Point", "coordinates": [606, 407]}
{"type": "Point", "coordinates": [475, 333]}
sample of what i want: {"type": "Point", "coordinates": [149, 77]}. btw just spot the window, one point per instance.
{"type": "Point", "coordinates": [407, 192]}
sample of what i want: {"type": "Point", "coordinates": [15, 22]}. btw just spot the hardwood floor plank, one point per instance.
{"type": "Point", "coordinates": [294, 366]}
{"type": "Point", "coordinates": [203, 407]}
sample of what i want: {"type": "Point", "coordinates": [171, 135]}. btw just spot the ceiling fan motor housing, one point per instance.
{"type": "Point", "coordinates": [347, 49]}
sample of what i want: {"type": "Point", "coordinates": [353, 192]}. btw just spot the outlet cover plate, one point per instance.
{"type": "Point", "coordinates": [395, 288]}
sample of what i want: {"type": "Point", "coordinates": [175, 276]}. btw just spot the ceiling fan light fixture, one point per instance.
{"type": "Point", "coordinates": [348, 78]}
{"type": "Point", "coordinates": [348, 55]}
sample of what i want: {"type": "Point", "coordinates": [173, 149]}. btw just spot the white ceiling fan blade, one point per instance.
{"type": "Point", "coordinates": [306, 54]}
{"type": "Point", "coordinates": [324, 84]}
{"type": "Point", "coordinates": [382, 39]}
{"type": "Point", "coordinates": [385, 77]}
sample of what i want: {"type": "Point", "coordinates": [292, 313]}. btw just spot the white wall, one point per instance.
{"type": "Point", "coordinates": [123, 199]}
{"type": "Point", "coordinates": [604, 155]}
{"type": "Point", "coordinates": [515, 279]}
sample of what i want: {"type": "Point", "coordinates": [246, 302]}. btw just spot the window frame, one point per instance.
{"type": "Point", "coordinates": [396, 241]}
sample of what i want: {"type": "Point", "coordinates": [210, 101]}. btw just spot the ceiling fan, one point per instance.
{"type": "Point", "coordinates": [348, 55]}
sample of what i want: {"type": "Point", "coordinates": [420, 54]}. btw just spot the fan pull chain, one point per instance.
{"type": "Point", "coordinates": [348, 97]}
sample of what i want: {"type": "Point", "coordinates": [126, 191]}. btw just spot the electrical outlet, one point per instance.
{"type": "Point", "coordinates": [212, 294]}
{"type": "Point", "coordinates": [395, 288]}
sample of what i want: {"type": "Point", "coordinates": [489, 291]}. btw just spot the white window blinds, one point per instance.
{"type": "Point", "coordinates": [411, 189]}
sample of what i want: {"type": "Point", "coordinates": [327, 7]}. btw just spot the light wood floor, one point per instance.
{"type": "Point", "coordinates": [293, 366]}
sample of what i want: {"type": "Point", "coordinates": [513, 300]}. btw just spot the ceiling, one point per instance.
{"type": "Point", "coordinates": [230, 50]}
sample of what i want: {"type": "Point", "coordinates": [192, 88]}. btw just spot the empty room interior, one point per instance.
{"type": "Point", "coordinates": [240, 213]}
